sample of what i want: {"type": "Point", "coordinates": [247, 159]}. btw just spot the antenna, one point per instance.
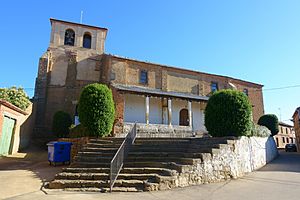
{"type": "Point", "coordinates": [81, 16]}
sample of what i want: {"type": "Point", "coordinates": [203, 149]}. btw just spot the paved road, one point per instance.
{"type": "Point", "coordinates": [278, 180]}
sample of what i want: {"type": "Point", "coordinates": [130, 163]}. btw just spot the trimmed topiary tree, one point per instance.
{"type": "Point", "coordinates": [270, 121]}
{"type": "Point", "coordinates": [96, 109]}
{"type": "Point", "coordinates": [61, 123]}
{"type": "Point", "coordinates": [228, 113]}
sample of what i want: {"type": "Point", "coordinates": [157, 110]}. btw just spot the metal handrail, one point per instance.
{"type": "Point", "coordinates": [117, 162]}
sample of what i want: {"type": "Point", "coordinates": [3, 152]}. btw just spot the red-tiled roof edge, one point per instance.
{"type": "Point", "coordinates": [74, 23]}
{"type": "Point", "coordinates": [297, 111]}
{"type": "Point", "coordinates": [13, 107]}
{"type": "Point", "coordinates": [184, 69]}
{"type": "Point", "coordinates": [284, 124]}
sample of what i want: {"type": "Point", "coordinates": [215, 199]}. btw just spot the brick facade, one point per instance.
{"type": "Point", "coordinates": [296, 120]}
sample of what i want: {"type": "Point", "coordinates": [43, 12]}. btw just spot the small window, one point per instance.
{"type": "Point", "coordinates": [69, 37]}
{"type": "Point", "coordinates": [144, 77]}
{"type": "Point", "coordinates": [87, 41]}
{"type": "Point", "coordinates": [281, 129]}
{"type": "Point", "coordinates": [214, 87]}
{"type": "Point", "coordinates": [292, 140]}
{"type": "Point", "coordinates": [277, 143]}
{"type": "Point", "coordinates": [245, 91]}
{"type": "Point", "coordinates": [287, 140]}
{"type": "Point", "coordinates": [283, 139]}
{"type": "Point", "coordinates": [287, 130]}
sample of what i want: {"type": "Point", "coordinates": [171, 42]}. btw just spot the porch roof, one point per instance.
{"type": "Point", "coordinates": [158, 92]}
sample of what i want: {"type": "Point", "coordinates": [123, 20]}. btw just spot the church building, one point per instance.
{"type": "Point", "coordinates": [157, 96]}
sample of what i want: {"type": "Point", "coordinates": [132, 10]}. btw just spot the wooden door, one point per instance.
{"type": "Point", "coordinates": [6, 136]}
{"type": "Point", "coordinates": [183, 117]}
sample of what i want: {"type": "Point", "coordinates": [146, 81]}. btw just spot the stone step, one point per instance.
{"type": "Point", "coordinates": [172, 149]}
{"type": "Point", "coordinates": [99, 159]}
{"type": "Point", "coordinates": [81, 164]}
{"type": "Point", "coordinates": [86, 170]}
{"type": "Point", "coordinates": [97, 154]}
{"type": "Point", "coordinates": [165, 154]}
{"type": "Point", "coordinates": [105, 176]}
{"type": "Point", "coordinates": [101, 145]}
{"type": "Point", "coordinates": [107, 140]}
{"type": "Point", "coordinates": [61, 184]}
{"type": "Point", "coordinates": [96, 149]}
{"type": "Point", "coordinates": [135, 170]}
{"type": "Point", "coordinates": [187, 161]}
{"type": "Point", "coordinates": [115, 189]}
{"type": "Point", "coordinates": [180, 146]}
{"type": "Point", "coordinates": [166, 165]}
{"type": "Point", "coordinates": [82, 176]}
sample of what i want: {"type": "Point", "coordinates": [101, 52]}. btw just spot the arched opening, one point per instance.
{"type": "Point", "coordinates": [183, 117]}
{"type": "Point", "coordinates": [87, 40]}
{"type": "Point", "coordinates": [69, 37]}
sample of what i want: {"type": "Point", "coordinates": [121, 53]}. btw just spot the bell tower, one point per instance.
{"type": "Point", "coordinates": [65, 33]}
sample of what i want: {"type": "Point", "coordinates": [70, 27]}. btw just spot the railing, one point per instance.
{"type": "Point", "coordinates": [116, 163]}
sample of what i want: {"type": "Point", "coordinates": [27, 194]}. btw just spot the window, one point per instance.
{"type": "Point", "coordinates": [287, 130]}
{"type": "Point", "coordinates": [283, 139]}
{"type": "Point", "coordinates": [287, 140]}
{"type": "Point", "coordinates": [277, 143]}
{"type": "Point", "coordinates": [214, 87]}
{"type": "Point", "coordinates": [87, 41]}
{"type": "Point", "coordinates": [281, 129]}
{"type": "Point", "coordinates": [292, 140]}
{"type": "Point", "coordinates": [69, 37]}
{"type": "Point", "coordinates": [245, 91]}
{"type": "Point", "coordinates": [144, 77]}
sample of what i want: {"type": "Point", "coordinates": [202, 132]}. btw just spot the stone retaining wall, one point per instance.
{"type": "Point", "coordinates": [77, 144]}
{"type": "Point", "coordinates": [232, 160]}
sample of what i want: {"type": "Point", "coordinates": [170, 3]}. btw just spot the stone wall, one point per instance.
{"type": "Point", "coordinates": [231, 160]}
{"type": "Point", "coordinates": [77, 144]}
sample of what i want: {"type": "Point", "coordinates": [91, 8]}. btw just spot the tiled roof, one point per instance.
{"type": "Point", "coordinates": [158, 92]}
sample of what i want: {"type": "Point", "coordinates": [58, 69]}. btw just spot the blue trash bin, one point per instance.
{"type": "Point", "coordinates": [59, 152]}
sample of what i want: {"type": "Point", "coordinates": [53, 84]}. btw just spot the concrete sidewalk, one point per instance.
{"type": "Point", "coordinates": [278, 180]}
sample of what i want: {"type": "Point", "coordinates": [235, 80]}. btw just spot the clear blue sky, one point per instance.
{"type": "Point", "coordinates": [254, 40]}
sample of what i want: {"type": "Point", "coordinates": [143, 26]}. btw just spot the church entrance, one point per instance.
{"type": "Point", "coordinates": [183, 117]}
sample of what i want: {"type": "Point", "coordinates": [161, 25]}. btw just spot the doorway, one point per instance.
{"type": "Point", "coordinates": [183, 117]}
{"type": "Point", "coordinates": [7, 133]}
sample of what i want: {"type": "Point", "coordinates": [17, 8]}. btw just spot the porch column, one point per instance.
{"type": "Point", "coordinates": [190, 113]}
{"type": "Point", "coordinates": [147, 109]}
{"type": "Point", "coordinates": [170, 111]}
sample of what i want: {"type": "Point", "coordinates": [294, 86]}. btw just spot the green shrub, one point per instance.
{"type": "Point", "coordinates": [228, 113]}
{"type": "Point", "coordinates": [78, 131]}
{"type": "Point", "coordinates": [271, 122]}
{"type": "Point", "coordinates": [259, 131]}
{"type": "Point", "coordinates": [96, 109]}
{"type": "Point", "coordinates": [61, 123]}
{"type": "Point", "coordinates": [15, 96]}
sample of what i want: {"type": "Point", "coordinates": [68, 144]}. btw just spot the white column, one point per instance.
{"type": "Point", "coordinates": [170, 111]}
{"type": "Point", "coordinates": [147, 109]}
{"type": "Point", "coordinates": [190, 113]}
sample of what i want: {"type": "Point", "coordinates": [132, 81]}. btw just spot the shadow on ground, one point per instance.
{"type": "Point", "coordinates": [33, 159]}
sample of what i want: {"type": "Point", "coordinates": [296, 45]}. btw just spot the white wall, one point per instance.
{"type": "Point", "coordinates": [135, 109]}
{"type": "Point", "coordinates": [155, 111]}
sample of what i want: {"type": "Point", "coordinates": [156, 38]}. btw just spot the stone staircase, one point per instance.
{"type": "Point", "coordinates": [152, 164]}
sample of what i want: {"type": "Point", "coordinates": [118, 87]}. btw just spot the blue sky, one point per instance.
{"type": "Point", "coordinates": [254, 40]}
